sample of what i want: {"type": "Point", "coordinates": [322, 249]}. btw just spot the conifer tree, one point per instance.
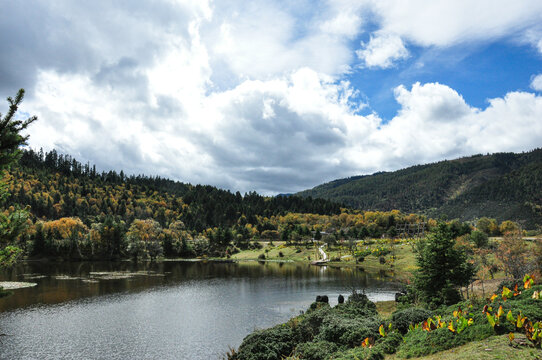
{"type": "Point", "coordinates": [11, 223]}
{"type": "Point", "coordinates": [443, 268]}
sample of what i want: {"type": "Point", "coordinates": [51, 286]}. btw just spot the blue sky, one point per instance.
{"type": "Point", "coordinates": [478, 73]}
{"type": "Point", "coordinates": [275, 96]}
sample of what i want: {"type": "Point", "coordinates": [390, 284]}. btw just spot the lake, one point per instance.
{"type": "Point", "coordinates": [166, 310]}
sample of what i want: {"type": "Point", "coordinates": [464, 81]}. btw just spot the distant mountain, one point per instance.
{"type": "Point", "coordinates": [505, 186]}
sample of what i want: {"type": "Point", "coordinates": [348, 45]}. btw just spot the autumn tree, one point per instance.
{"type": "Point", "coordinates": [144, 239]}
{"type": "Point", "coordinates": [13, 220]}
{"type": "Point", "coordinates": [489, 226]}
{"type": "Point", "coordinates": [67, 237]}
{"type": "Point", "coordinates": [176, 240]}
{"type": "Point", "coordinates": [512, 254]}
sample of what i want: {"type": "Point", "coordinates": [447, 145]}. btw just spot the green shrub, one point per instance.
{"type": "Point", "coordinates": [420, 342]}
{"type": "Point", "coordinates": [479, 238]}
{"type": "Point", "coordinates": [359, 353]}
{"type": "Point", "coordinates": [348, 331]}
{"type": "Point", "coordinates": [4, 293]}
{"type": "Point", "coordinates": [261, 257]}
{"type": "Point", "coordinates": [269, 344]}
{"type": "Point", "coordinates": [390, 343]}
{"type": "Point", "coordinates": [319, 350]}
{"type": "Point", "coordinates": [307, 326]}
{"type": "Point", "coordinates": [401, 319]}
{"type": "Point", "coordinates": [357, 304]}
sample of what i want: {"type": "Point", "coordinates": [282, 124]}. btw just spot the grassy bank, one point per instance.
{"type": "Point", "coordinates": [495, 347]}
{"type": "Point", "coordinates": [399, 262]}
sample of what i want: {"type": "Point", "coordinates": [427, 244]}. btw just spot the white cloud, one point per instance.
{"type": "Point", "coordinates": [382, 51]}
{"type": "Point", "coordinates": [252, 96]}
{"type": "Point", "coordinates": [435, 122]}
{"type": "Point", "coordinates": [446, 23]}
{"type": "Point", "coordinates": [536, 82]}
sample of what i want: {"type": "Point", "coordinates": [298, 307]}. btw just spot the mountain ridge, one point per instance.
{"type": "Point", "coordinates": [500, 185]}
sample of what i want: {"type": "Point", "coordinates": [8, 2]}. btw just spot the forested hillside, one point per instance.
{"type": "Point", "coordinates": [59, 186]}
{"type": "Point", "coordinates": [77, 213]}
{"type": "Point", "coordinates": [503, 186]}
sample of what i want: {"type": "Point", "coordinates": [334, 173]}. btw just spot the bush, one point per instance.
{"type": "Point", "coordinates": [401, 319]}
{"type": "Point", "coordinates": [390, 343]}
{"type": "Point", "coordinates": [4, 293]}
{"type": "Point", "coordinates": [269, 344]}
{"type": "Point", "coordinates": [360, 353]}
{"type": "Point", "coordinates": [357, 305]}
{"type": "Point", "coordinates": [420, 342]}
{"type": "Point", "coordinates": [281, 254]}
{"type": "Point", "coordinates": [307, 326]}
{"type": "Point", "coordinates": [255, 245]}
{"type": "Point", "coordinates": [348, 331]}
{"type": "Point", "coordinates": [479, 238]}
{"type": "Point", "coordinates": [261, 257]}
{"type": "Point", "coordinates": [318, 350]}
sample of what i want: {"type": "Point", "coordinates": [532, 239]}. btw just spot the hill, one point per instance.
{"type": "Point", "coordinates": [501, 185]}
{"type": "Point", "coordinates": [57, 185]}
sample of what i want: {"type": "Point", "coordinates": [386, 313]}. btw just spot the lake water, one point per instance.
{"type": "Point", "coordinates": [167, 310]}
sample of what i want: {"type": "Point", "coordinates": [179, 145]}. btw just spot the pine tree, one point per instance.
{"type": "Point", "coordinates": [443, 268]}
{"type": "Point", "coordinates": [12, 223]}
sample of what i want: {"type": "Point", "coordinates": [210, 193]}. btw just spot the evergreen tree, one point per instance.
{"type": "Point", "coordinates": [11, 223]}
{"type": "Point", "coordinates": [443, 268]}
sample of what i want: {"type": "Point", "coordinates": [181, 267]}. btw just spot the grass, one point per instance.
{"type": "Point", "coordinates": [402, 268]}
{"type": "Point", "coordinates": [386, 308]}
{"type": "Point", "coordinates": [495, 347]}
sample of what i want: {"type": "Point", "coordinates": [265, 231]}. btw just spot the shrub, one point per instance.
{"type": "Point", "coordinates": [420, 342]}
{"type": "Point", "coordinates": [318, 350]}
{"type": "Point", "coordinates": [4, 293]}
{"type": "Point", "coordinates": [268, 344]}
{"type": "Point", "coordinates": [322, 298]}
{"type": "Point", "coordinates": [281, 254]}
{"type": "Point", "coordinates": [401, 319]}
{"type": "Point", "coordinates": [348, 331]}
{"type": "Point", "coordinates": [357, 305]}
{"type": "Point", "coordinates": [360, 353]}
{"type": "Point", "coordinates": [307, 326]}
{"type": "Point", "coordinates": [479, 238]}
{"type": "Point", "coordinates": [261, 257]}
{"type": "Point", "coordinates": [390, 343]}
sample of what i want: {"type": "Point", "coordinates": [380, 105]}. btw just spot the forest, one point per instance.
{"type": "Point", "coordinates": [503, 186]}
{"type": "Point", "coordinates": [77, 213]}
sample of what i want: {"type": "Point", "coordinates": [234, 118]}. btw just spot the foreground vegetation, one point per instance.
{"type": "Point", "coordinates": [354, 330]}
{"type": "Point", "coordinates": [431, 315]}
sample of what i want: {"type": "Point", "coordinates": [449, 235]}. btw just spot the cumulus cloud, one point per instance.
{"type": "Point", "coordinates": [251, 95]}
{"type": "Point", "coordinates": [444, 23]}
{"type": "Point", "coordinates": [536, 82]}
{"type": "Point", "coordinates": [435, 122]}
{"type": "Point", "coordinates": [382, 51]}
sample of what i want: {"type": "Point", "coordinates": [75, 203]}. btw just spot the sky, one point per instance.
{"type": "Point", "coordinates": [274, 96]}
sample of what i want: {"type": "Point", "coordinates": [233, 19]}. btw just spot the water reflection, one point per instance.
{"type": "Point", "coordinates": [168, 310]}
